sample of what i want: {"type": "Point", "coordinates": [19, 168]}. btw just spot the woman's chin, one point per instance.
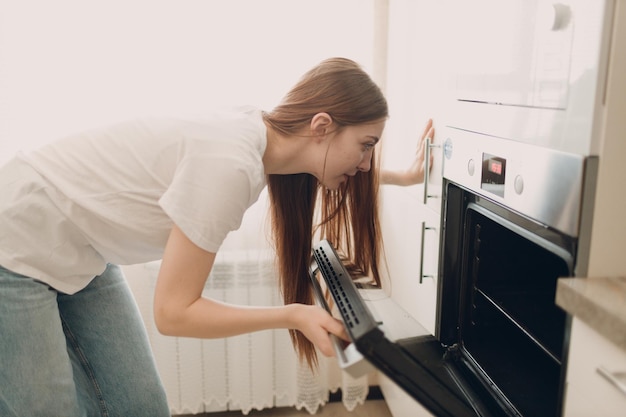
{"type": "Point", "coordinates": [337, 184]}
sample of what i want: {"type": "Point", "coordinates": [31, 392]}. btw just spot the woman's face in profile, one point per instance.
{"type": "Point", "coordinates": [350, 151]}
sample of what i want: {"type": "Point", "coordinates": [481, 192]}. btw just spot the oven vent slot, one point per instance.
{"type": "Point", "coordinates": [334, 285]}
{"type": "Point", "coordinates": [357, 318]}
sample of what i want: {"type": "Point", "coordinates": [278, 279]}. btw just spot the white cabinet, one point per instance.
{"type": "Point", "coordinates": [416, 90]}
{"type": "Point", "coordinates": [412, 243]}
{"type": "Point", "coordinates": [411, 233]}
{"type": "Point", "coordinates": [399, 402]}
{"type": "Point", "coordinates": [588, 392]}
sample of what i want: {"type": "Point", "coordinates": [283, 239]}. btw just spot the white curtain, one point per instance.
{"type": "Point", "coordinates": [252, 371]}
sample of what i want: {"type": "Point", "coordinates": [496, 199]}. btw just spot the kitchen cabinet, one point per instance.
{"type": "Point", "coordinates": [416, 90]}
{"type": "Point", "coordinates": [413, 233]}
{"type": "Point", "coordinates": [596, 372]}
{"type": "Point", "coordinates": [400, 403]}
{"type": "Point", "coordinates": [589, 393]}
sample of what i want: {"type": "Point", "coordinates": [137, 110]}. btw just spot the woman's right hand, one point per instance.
{"type": "Point", "coordinates": [317, 324]}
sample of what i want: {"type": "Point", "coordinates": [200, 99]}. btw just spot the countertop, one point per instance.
{"type": "Point", "coordinates": [599, 302]}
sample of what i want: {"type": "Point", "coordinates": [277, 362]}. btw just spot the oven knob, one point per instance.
{"type": "Point", "coordinates": [518, 184]}
{"type": "Point", "coordinates": [470, 167]}
{"type": "Point", "coordinates": [447, 148]}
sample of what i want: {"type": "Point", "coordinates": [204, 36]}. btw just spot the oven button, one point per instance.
{"type": "Point", "coordinates": [518, 184]}
{"type": "Point", "coordinates": [447, 148]}
{"type": "Point", "coordinates": [470, 167]}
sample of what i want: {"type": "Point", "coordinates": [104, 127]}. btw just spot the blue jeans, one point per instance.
{"type": "Point", "coordinates": [85, 354]}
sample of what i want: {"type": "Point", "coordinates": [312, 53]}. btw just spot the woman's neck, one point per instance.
{"type": "Point", "coordinates": [286, 154]}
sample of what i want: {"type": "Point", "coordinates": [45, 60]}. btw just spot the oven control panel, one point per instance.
{"type": "Point", "coordinates": [540, 183]}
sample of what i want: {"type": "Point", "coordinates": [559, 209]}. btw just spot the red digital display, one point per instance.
{"type": "Point", "coordinates": [493, 174]}
{"type": "Point", "coordinates": [495, 166]}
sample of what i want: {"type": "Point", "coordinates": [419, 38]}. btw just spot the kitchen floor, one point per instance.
{"type": "Point", "coordinates": [371, 408]}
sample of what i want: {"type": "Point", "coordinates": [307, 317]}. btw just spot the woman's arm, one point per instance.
{"type": "Point", "coordinates": [180, 309]}
{"type": "Point", "coordinates": [415, 173]}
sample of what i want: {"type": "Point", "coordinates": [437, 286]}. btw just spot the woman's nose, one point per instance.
{"type": "Point", "coordinates": [366, 163]}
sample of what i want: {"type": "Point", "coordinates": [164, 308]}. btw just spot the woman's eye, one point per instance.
{"type": "Point", "coordinates": [368, 146]}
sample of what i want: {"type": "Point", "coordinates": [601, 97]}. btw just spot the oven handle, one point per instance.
{"type": "Point", "coordinates": [427, 147]}
{"type": "Point", "coordinates": [422, 276]}
{"type": "Point", "coordinates": [616, 378]}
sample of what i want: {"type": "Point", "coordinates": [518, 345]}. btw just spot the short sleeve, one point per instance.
{"type": "Point", "coordinates": [208, 197]}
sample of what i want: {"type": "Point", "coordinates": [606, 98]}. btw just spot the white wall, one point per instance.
{"type": "Point", "coordinates": [67, 65]}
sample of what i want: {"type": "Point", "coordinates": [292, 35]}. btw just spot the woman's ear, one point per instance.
{"type": "Point", "coordinates": [321, 125]}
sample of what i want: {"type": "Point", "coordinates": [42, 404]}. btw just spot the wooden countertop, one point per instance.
{"type": "Point", "coordinates": [599, 302]}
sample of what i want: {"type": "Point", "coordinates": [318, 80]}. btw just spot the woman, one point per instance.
{"type": "Point", "coordinates": [71, 339]}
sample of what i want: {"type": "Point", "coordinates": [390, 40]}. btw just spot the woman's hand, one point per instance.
{"type": "Point", "coordinates": [415, 173]}
{"type": "Point", "coordinates": [316, 324]}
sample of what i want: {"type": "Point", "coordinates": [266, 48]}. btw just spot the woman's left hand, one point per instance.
{"type": "Point", "coordinates": [415, 173]}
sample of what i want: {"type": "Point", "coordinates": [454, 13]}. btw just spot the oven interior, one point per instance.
{"type": "Point", "coordinates": [496, 296]}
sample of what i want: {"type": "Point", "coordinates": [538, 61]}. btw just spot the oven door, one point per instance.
{"type": "Point", "coordinates": [430, 372]}
{"type": "Point", "coordinates": [433, 375]}
{"type": "Point", "coordinates": [498, 274]}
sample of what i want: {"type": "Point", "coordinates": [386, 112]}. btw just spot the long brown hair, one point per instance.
{"type": "Point", "coordinates": [349, 215]}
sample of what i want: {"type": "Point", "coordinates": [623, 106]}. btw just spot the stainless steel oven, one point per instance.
{"type": "Point", "coordinates": [513, 222]}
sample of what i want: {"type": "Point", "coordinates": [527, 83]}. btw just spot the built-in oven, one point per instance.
{"type": "Point", "coordinates": [515, 218]}
{"type": "Point", "coordinates": [511, 226]}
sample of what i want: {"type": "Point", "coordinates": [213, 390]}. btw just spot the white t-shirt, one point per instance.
{"type": "Point", "coordinates": [112, 195]}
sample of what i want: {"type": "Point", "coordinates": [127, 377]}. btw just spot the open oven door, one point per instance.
{"type": "Point", "coordinates": [387, 337]}
{"type": "Point", "coordinates": [433, 374]}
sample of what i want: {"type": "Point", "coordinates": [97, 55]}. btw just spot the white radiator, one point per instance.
{"type": "Point", "coordinates": [252, 371]}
